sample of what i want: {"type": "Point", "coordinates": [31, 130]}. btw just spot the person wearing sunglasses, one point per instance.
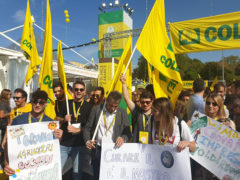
{"type": "Point", "coordinates": [72, 143]}
{"type": "Point", "coordinates": [39, 102]}
{"type": "Point", "coordinates": [20, 99]}
{"type": "Point", "coordinates": [98, 96]}
{"type": "Point", "coordinates": [141, 116]}
{"type": "Point", "coordinates": [214, 107]}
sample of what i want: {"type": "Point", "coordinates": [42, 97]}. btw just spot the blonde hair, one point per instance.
{"type": "Point", "coordinates": [165, 123]}
{"type": "Point", "coordinates": [220, 103]}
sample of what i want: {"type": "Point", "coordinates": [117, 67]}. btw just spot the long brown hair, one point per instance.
{"type": "Point", "coordinates": [4, 96]}
{"type": "Point", "coordinates": [164, 124]}
{"type": "Point", "coordinates": [219, 100]}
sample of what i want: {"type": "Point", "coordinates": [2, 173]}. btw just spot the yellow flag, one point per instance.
{"type": "Point", "coordinates": [215, 81]}
{"type": "Point", "coordinates": [155, 46]}
{"type": "Point", "coordinates": [28, 44]}
{"type": "Point", "coordinates": [61, 71]}
{"type": "Point", "coordinates": [150, 73]}
{"type": "Point", "coordinates": [116, 83]}
{"type": "Point", "coordinates": [46, 74]}
{"type": "Point", "coordinates": [199, 76]}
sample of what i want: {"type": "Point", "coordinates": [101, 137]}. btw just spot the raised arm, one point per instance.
{"type": "Point", "coordinates": [128, 101]}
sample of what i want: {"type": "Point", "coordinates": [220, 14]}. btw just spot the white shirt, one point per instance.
{"type": "Point", "coordinates": [103, 135]}
{"type": "Point", "coordinates": [175, 139]}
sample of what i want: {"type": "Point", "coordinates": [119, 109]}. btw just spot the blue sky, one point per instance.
{"type": "Point", "coordinates": [83, 24]}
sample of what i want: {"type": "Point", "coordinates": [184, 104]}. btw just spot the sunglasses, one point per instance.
{"type": "Point", "coordinates": [38, 102]}
{"type": "Point", "coordinates": [79, 89]}
{"type": "Point", "coordinates": [147, 102]}
{"type": "Point", "coordinates": [208, 103]}
{"type": "Point", "coordinates": [17, 98]}
{"type": "Point", "coordinates": [96, 95]}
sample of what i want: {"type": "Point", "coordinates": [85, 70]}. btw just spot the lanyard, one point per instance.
{"type": "Point", "coordinates": [30, 120]}
{"type": "Point", "coordinates": [74, 110]}
{"type": "Point", "coordinates": [105, 123]}
{"type": "Point", "coordinates": [145, 123]}
{"type": "Point", "coordinates": [57, 107]}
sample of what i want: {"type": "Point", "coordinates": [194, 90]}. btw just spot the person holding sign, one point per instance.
{"type": "Point", "coordinates": [113, 127]}
{"type": "Point", "coordinates": [38, 102]}
{"type": "Point", "coordinates": [72, 144]}
{"type": "Point", "coordinates": [141, 116]}
{"type": "Point", "coordinates": [167, 129]}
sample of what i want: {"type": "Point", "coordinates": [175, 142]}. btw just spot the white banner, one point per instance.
{"type": "Point", "coordinates": [144, 161]}
{"type": "Point", "coordinates": [34, 152]}
{"type": "Point", "coordinates": [218, 146]}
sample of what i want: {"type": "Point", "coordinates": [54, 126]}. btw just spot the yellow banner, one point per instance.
{"type": "Point", "coordinates": [206, 34]}
{"type": "Point", "coordinates": [105, 73]}
{"type": "Point", "coordinates": [189, 84]}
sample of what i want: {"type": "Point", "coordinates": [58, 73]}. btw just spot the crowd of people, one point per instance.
{"type": "Point", "coordinates": [154, 120]}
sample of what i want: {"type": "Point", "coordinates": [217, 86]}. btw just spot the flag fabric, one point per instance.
{"type": "Point", "coordinates": [116, 83]}
{"type": "Point", "coordinates": [215, 81]}
{"type": "Point", "coordinates": [150, 76]}
{"type": "Point", "coordinates": [46, 74]}
{"type": "Point", "coordinates": [61, 71]}
{"type": "Point", "coordinates": [28, 44]}
{"type": "Point", "coordinates": [199, 76]}
{"type": "Point", "coordinates": [155, 46]}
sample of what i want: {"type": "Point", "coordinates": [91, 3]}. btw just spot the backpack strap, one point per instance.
{"type": "Point", "coordinates": [180, 128]}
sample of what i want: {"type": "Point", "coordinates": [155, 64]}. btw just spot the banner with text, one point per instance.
{"type": "Point", "coordinates": [206, 34]}
{"type": "Point", "coordinates": [34, 152]}
{"type": "Point", "coordinates": [144, 161]}
{"type": "Point", "coordinates": [218, 147]}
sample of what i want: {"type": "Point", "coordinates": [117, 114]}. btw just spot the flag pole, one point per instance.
{"type": "Point", "coordinates": [95, 132]}
{"type": "Point", "coordinates": [69, 123]}
{"type": "Point", "coordinates": [130, 60]}
{"type": "Point", "coordinates": [96, 129]}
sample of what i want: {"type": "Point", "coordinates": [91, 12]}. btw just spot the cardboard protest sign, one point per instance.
{"type": "Point", "coordinates": [144, 161]}
{"type": "Point", "coordinates": [34, 152]}
{"type": "Point", "coordinates": [218, 147]}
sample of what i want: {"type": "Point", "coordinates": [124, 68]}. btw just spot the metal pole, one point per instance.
{"type": "Point", "coordinates": [12, 29]}
{"type": "Point", "coordinates": [222, 66]}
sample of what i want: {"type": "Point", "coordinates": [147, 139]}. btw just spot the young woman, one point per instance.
{"type": "Point", "coordinates": [214, 107]}
{"type": "Point", "coordinates": [166, 130]}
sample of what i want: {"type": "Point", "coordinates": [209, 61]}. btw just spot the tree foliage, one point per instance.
{"type": "Point", "coordinates": [190, 69]}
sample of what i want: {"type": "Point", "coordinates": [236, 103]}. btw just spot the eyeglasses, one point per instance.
{"type": "Point", "coordinates": [147, 102]}
{"type": "Point", "coordinates": [17, 98]}
{"type": "Point", "coordinates": [96, 95]}
{"type": "Point", "coordinates": [213, 103]}
{"type": "Point", "coordinates": [79, 89]}
{"type": "Point", "coordinates": [40, 102]}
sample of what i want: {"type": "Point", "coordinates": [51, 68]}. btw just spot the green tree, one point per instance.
{"type": "Point", "coordinates": [140, 72]}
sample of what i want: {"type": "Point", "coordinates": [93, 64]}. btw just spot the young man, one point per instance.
{"type": "Point", "coordinates": [113, 128]}
{"type": "Point", "coordinates": [72, 143]}
{"type": "Point", "coordinates": [20, 99]}
{"type": "Point", "coordinates": [39, 102]}
{"type": "Point", "coordinates": [142, 118]}
{"type": "Point", "coordinates": [60, 98]}
{"type": "Point", "coordinates": [219, 89]}
{"type": "Point", "coordinates": [196, 102]}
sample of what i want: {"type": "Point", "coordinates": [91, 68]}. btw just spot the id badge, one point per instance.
{"type": "Point", "coordinates": [106, 139]}
{"type": "Point", "coordinates": [76, 125]}
{"type": "Point", "coordinates": [143, 137]}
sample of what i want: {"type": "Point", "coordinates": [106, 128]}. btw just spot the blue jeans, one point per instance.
{"type": "Point", "coordinates": [76, 154]}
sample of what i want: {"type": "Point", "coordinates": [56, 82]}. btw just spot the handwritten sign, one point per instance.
{"type": "Point", "coordinates": [34, 152]}
{"type": "Point", "coordinates": [144, 161]}
{"type": "Point", "coordinates": [218, 147]}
